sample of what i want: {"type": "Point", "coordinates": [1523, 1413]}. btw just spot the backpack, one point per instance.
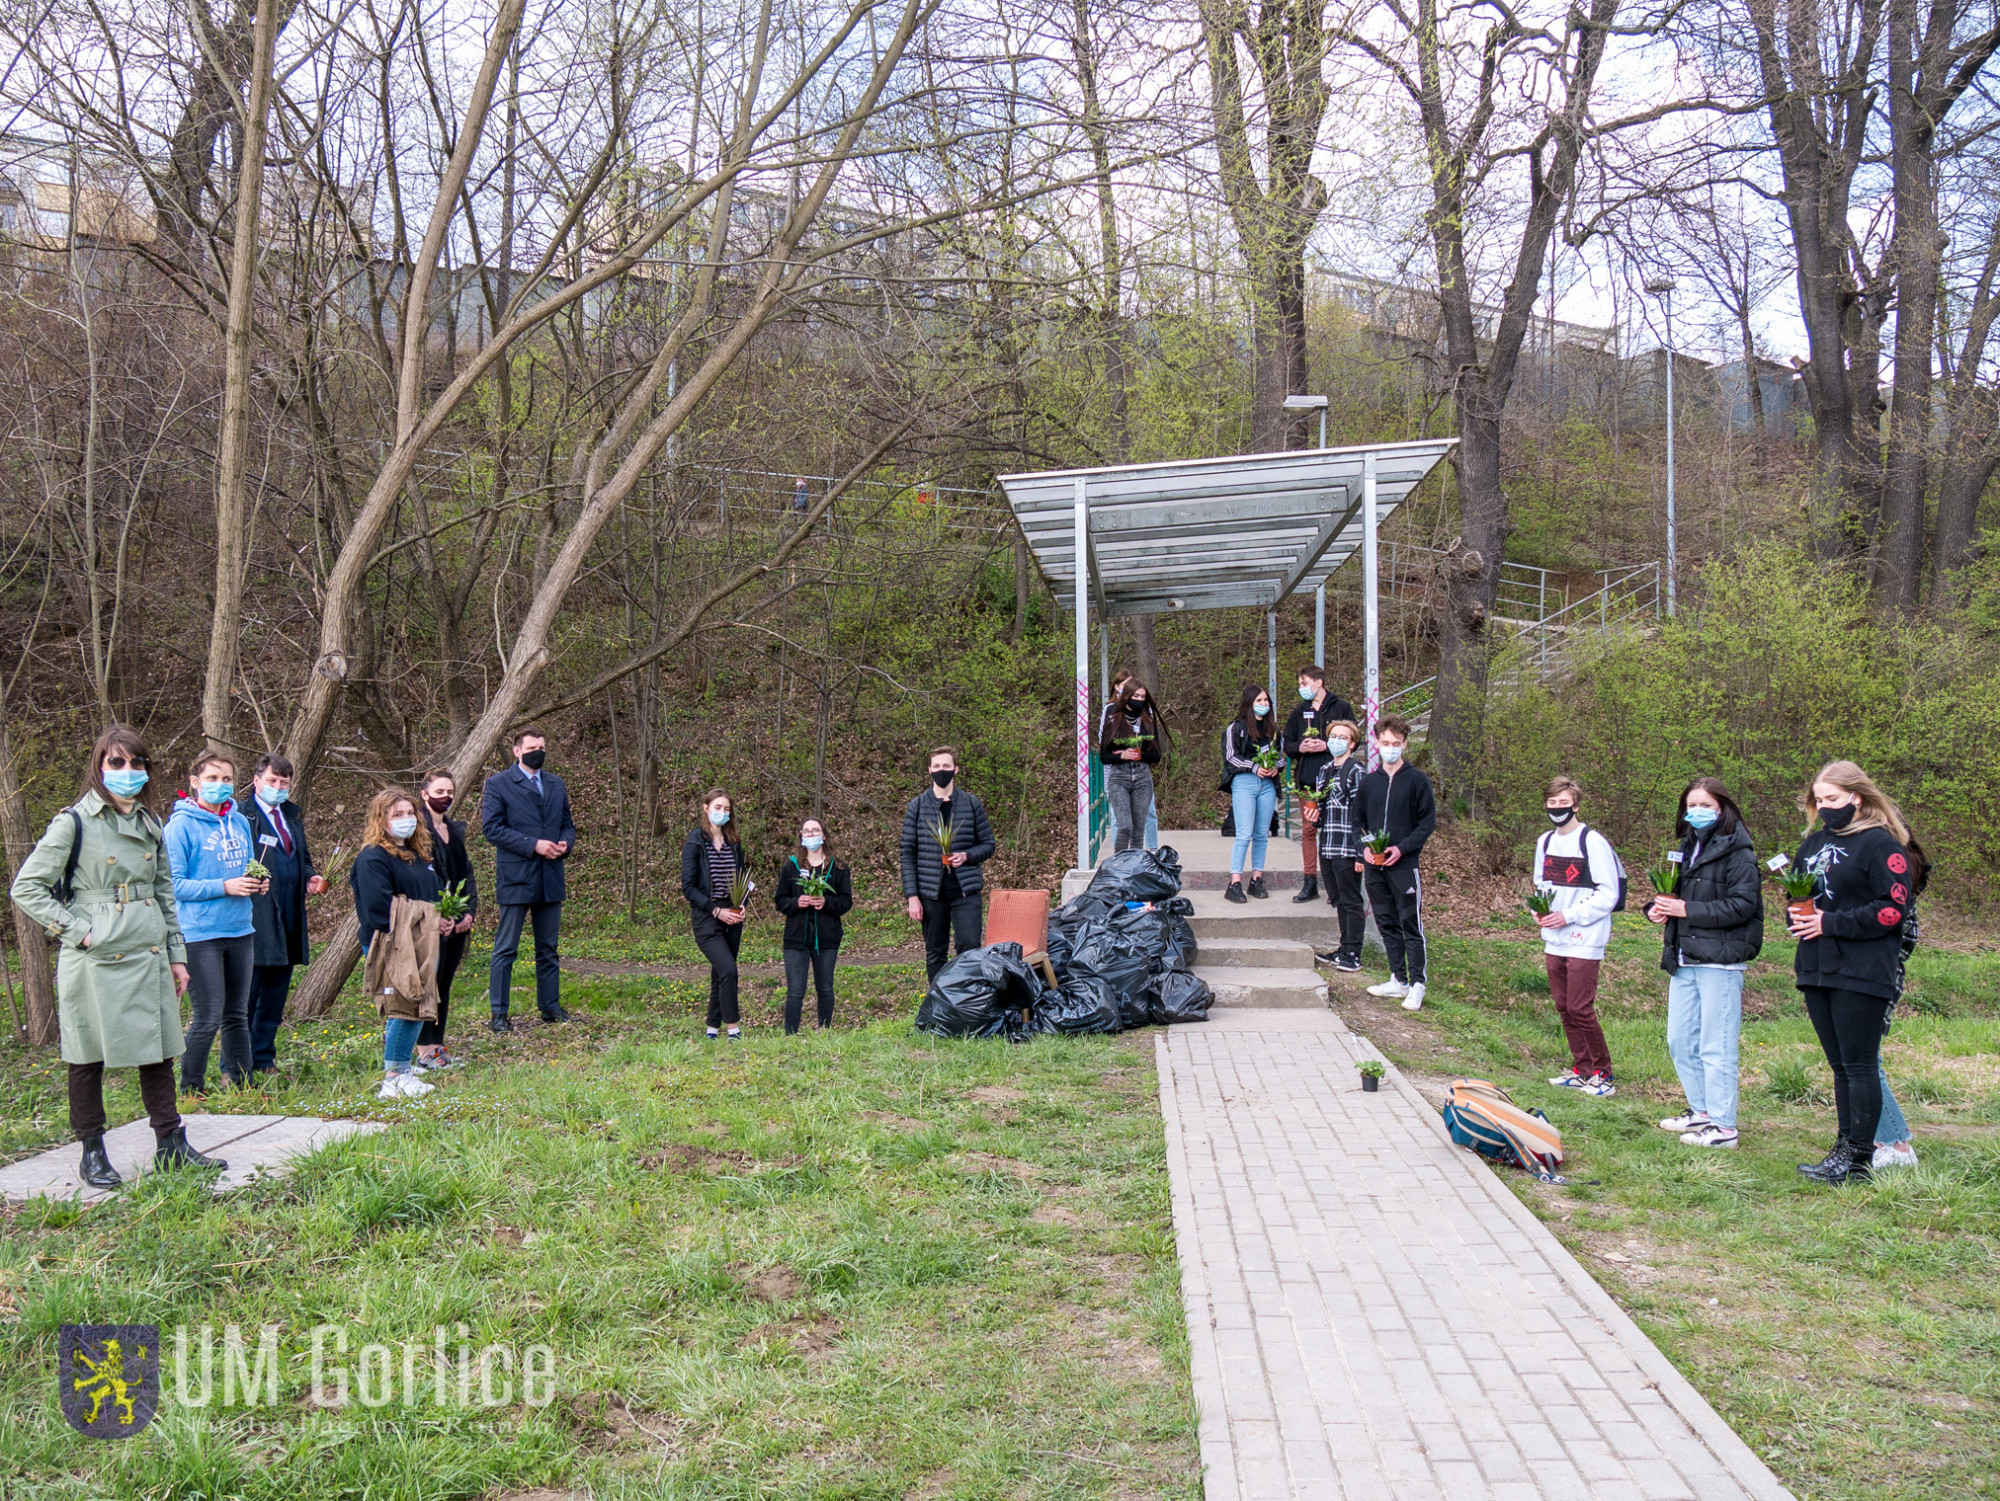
{"type": "Point", "coordinates": [1480, 1116]}
{"type": "Point", "coordinates": [1583, 854]}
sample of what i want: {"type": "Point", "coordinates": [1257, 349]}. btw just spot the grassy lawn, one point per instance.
{"type": "Point", "coordinates": [1851, 1336]}
{"type": "Point", "coordinates": [859, 1264]}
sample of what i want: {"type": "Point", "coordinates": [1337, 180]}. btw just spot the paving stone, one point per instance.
{"type": "Point", "coordinates": [254, 1146]}
{"type": "Point", "coordinates": [1365, 1302]}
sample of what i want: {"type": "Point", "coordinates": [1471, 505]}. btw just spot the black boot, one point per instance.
{"type": "Point", "coordinates": [97, 1169]}
{"type": "Point", "coordinates": [500, 1022]}
{"type": "Point", "coordinates": [1235, 893]}
{"type": "Point", "coordinates": [1839, 1166]}
{"type": "Point", "coordinates": [174, 1151]}
{"type": "Point", "coordinates": [1308, 892]}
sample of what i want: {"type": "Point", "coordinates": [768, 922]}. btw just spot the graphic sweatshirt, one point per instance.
{"type": "Point", "coordinates": [205, 849]}
{"type": "Point", "coordinates": [1577, 867]}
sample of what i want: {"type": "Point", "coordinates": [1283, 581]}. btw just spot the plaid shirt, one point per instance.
{"type": "Point", "coordinates": [1340, 828]}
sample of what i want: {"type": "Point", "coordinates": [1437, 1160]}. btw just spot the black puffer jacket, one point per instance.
{"type": "Point", "coordinates": [923, 863]}
{"type": "Point", "coordinates": [1725, 904]}
{"type": "Point", "coordinates": [1864, 894]}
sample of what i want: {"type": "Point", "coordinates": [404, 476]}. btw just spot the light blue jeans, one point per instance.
{"type": "Point", "coordinates": [398, 1038]}
{"type": "Point", "coordinates": [1891, 1128]}
{"type": "Point", "coordinates": [1253, 799]}
{"type": "Point", "coordinates": [1704, 1021]}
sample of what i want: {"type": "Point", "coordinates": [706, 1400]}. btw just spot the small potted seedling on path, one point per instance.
{"type": "Point", "coordinates": [1371, 1075]}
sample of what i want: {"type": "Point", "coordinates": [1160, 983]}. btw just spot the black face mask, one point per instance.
{"type": "Point", "coordinates": [1561, 816]}
{"type": "Point", "coordinates": [1136, 705]}
{"type": "Point", "coordinates": [439, 805]}
{"type": "Point", "coordinates": [1837, 819]}
{"type": "Point", "coordinates": [533, 759]}
{"type": "Point", "coordinates": [942, 778]}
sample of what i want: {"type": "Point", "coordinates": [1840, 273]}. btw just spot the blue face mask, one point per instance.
{"type": "Point", "coordinates": [215, 794]}
{"type": "Point", "coordinates": [1701, 818]}
{"type": "Point", "coordinates": [718, 819]}
{"type": "Point", "coordinates": [812, 841]}
{"type": "Point", "coordinates": [1392, 754]}
{"type": "Point", "coordinates": [270, 797]}
{"type": "Point", "coordinates": [1306, 691]}
{"type": "Point", "coordinates": [127, 783]}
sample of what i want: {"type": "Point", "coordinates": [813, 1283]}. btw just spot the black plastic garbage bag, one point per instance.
{"type": "Point", "coordinates": [1145, 931]}
{"type": "Point", "coordinates": [1137, 876]}
{"type": "Point", "coordinates": [1180, 949]}
{"type": "Point", "coordinates": [1084, 1004]}
{"type": "Point", "coordinates": [1100, 952]}
{"type": "Point", "coordinates": [988, 992]}
{"type": "Point", "coordinates": [1174, 995]}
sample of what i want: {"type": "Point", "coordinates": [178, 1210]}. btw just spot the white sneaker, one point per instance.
{"type": "Point", "coordinates": [1694, 1120]}
{"type": "Point", "coordinates": [1712, 1135]}
{"type": "Point", "coordinates": [1568, 1079]}
{"type": "Point", "coordinates": [1599, 1085]}
{"type": "Point", "coordinates": [1390, 989]}
{"type": "Point", "coordinates": [403, 1087]}
{"type": "Point", "coordinates": [1414, 1001]}
{"type": "Point", "coordinates": [1893, 1154]}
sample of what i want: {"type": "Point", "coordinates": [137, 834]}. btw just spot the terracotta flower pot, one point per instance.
{"type": "Point", "coordinates": [1799, 911]}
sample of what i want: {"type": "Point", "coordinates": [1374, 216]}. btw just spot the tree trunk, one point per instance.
{"type": "Point", "coordinates": [232, 510]}
{"type": "Point", "coordinates": [1146, 655]}
{"type": "Point", "coordinates": [1021, 578]}
{"type": "Point", "coordinates": [37, 969]}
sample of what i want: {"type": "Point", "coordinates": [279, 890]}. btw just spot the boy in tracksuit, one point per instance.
{"type": "Point", "coordinates": [1340, 831]}
{"type": "Point", "coordinates": [1576, 866]}
{"type": "Point", "coordinates": [1398, 797]}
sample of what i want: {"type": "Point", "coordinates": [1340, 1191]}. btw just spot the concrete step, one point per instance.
{"type": "Point", "coordinates": [1267, 988]}
{"type": "Point", "coordinates": [1228, 951]}
{"type": "Point", "coordinates": [1273, 918]}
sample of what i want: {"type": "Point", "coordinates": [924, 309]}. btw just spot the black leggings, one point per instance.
{"type": "Point", "coordinates": [221, 972]}
{"type": "Point", "coordinates": [1850, 1034]}
{"type": "Point", "coordinates": [820, 962]}
{"type": "Point", "coordinates": [86, 1098]}
{"type": "Point", "coordinates": [718, 942]}
{"type": "Point", "coordinates": [451, 953]}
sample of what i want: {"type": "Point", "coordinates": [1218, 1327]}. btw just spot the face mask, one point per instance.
{"type": "Point", "coordinates": [533, 759]}
{"type": "Point", "coordinates": [403, 828]}
{"type": "Point", "coordinates": [439, 805]}
{"type": "Point", "coordinates": [718, 816]}
{"type": "Point", "coordinates": [270, 797]}
{"type": "Point", "coordinates": [943, 778]}
{"type": "Point", "coordinates": [812, 841]}
{"type": "Point", "coordinates": [1306, 691]}
{"type": "Point", "coordinates": [1557, 816]}
{"type": "Point", "coordinates": [1392, 754]}
{"type": "Point", "coordinates": [1339, 745]}
{"type": "Point", "coordinates": [1262, 706]}
{"type": "Point", "coordinates": [1136, 705]}
{"type": "Point", "coordinates": [1701, 818]}
{"type": "Point", "coordinates": [215, 794]}
{"type": "Point", "coordinates": [126, 783]}
{"type": "Point", "coordinates": [1837, 818]}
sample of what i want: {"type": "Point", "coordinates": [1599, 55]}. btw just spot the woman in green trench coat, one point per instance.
{"type": "Point", "coordinates": [121, 966]}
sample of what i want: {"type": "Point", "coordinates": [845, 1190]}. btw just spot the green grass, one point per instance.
{"type": "Point", "coordinates": [1851, 1336]}
{"type": "Point", "coordinates": [855, 1264]}
{"type": "Point", "coordinates": [666, 939]}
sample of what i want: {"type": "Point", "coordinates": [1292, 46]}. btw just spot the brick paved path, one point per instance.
{"type": "Point", "coordinates": [1374, 1315]}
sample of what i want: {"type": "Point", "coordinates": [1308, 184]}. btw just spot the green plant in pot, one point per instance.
{"type": "Point", "coordinates": [1375, 846]}
{"type": "Point", "coordinates": [1541, 903]}
{"type": "Point", "coordinates": [1799, 887]}
{"type": "Point", "coordinates": [1372, 1071]}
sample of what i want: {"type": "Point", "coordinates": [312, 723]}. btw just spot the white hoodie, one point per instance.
{"type": "Point", "coordinates": [1588, 908]}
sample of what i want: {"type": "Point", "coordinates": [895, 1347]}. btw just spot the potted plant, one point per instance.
{"type": "Point", "coordinates": [1541, 903]}
{"type": "Point", "coordinates": [1665, 876]}
{"type": "Point", "coordinates": [942, 830]}
{"type": "Point", "coordinates": [1799, 886]}
{"type": "Point", "coordinates": [257, 870]}
{"type": "Point", "coordinates": [1376, 845]}
{"type": "Point", "coordinates": [740, 888]}
{"type": "Point", "coordinates": [814, 883]}
{"type": "Point", "coordinates": [452, 904]}
{"type": "Point", "coordinates": [1371, 1075]}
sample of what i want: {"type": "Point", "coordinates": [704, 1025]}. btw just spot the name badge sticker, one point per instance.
{"type": "Point", "coordinates": [267, 839]}
{"type": "Point", "coordinates": [1674, 856]}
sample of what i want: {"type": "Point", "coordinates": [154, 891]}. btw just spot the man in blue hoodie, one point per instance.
{"type": "Point", "coordinates": [208, 846]}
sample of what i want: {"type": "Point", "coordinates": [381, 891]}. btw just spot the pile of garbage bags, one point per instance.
{"type": "Point", "coordinates": [1123, 955]}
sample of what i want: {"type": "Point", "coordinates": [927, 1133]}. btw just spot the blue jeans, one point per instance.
{"type": "Point", "coordinates": [1704, 1021]}
{"type": "Point", "coordinates": [1254, 799]}
{"type": "Point", "coordinates": [398, 1038]}
{"type": "Point", "coordinates": [1891, 1128]}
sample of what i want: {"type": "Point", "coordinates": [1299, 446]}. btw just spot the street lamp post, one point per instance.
{"type": "Point", "coordinates": [1664, 290]}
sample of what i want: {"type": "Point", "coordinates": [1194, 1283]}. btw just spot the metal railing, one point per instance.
{"type": "Point", "coordinates": [1525, 591]}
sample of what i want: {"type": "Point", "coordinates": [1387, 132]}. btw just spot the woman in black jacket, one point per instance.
{"type": "Point", "coordinates": [1850, 957]}
{"type": "Point", "coordinates": [1712, 927]}
{"type": "Point", "coordinates": [1252, 789]}
{"type": "Point", "coordinates": [1129, 747]}
{"type": "Point", "coordinates": [453, 863]}
{"type": "Point", "coordinates": [812, 922]}
{"type": "Point", "coordinates": [711, 860]}
{"type": "Point", "coordinates": [395, 860]}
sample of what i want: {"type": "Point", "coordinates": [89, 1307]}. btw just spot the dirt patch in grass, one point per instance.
{"type": "Point", "coordinates": [995, 1094]}
{"type": "Point", "coordinates": [775, 1284]}
{"type": "Point", "coordinates": [893, 1122]}
{"type": "Point", "coordinates": [809, 1335]}
{"type": "Point", "coordinates": [679, 1157]}
{"type": "Point", "coordinates": [1013, 1167]}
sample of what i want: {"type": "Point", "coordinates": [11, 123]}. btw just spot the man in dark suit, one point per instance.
{"type": "Point", "coordinates": [278, 839]}
{"type": "Point", "coordinates": [524, 814]}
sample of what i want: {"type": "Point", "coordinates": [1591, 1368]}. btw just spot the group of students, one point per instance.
{"type": "Point", "coordinates": [1854, 936]}
{"type": "Point", "coordinates": [946, 839]}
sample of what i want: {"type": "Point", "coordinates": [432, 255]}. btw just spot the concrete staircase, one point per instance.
{"type": "Point", "coordinates": [1258, 954]}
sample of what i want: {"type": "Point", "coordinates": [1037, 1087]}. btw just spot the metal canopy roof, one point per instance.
{"type": "Point", "coordinates": [1203, 534]}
